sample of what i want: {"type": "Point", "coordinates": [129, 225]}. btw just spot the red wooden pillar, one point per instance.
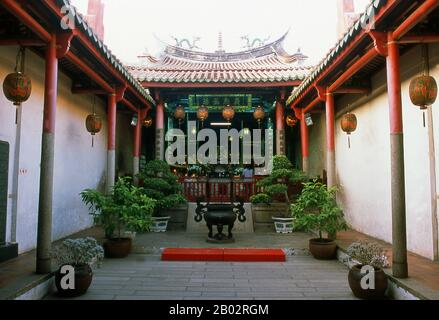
{"type": "Point", "coordinates": [304, 135]}
{"type": "Point", "coordinates": [330, 140]}
{"type": "Point", "coordinates": [399, 238]}
{"type": "Point", "coordinates": [44, 235]}
{"type": "Point", "coordinates": [160, 131]}
{"type": "Point", "coordinates": [111, 148]}
{"type": "Point", "coordinates": [280, 128]}
{"type": "Point", "coordinates": [137, 149]}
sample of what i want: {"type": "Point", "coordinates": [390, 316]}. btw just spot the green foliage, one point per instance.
{"type": "Point", "coordinates": [275, 189]}
{"type": "Point", "coordinates": [78, 252]}
{"type": "Point", "coordinates": [160, 184]}
{"type": "Point", "coordinates": [317, 209]}
{"type": "Point", "coordinates": [261, 198]}
{"type": "Point", "coordinates": [126, 206]}
{"type": "Point", "coordinates": [281, 162]}
{"type": "Point", "coordinates": [368, 254]}
{"type": "Point", "coordinates": [281, 177]}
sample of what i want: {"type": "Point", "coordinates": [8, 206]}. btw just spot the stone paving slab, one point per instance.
{"type": "Point", "coordinates": [148, 278]}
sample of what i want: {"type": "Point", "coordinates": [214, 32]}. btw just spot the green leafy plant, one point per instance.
{"type": "Point", "coordinates": [282, 176]}
{"type": "Point", "coordinates": [78, 252]}
{"type": "Point", "coordinates": [368, 254]}
{"type": "Point", "coordinates": [160, 184]}
{"type": "Point", "coordinates": [125, 207]}
{"type": "Point", "coordinates": [317, 209]}
{"type": "Point", "coordinates": [261, 198]}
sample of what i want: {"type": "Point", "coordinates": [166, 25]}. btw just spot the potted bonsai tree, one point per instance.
{"type": "Point", "coordinates": [160, 184]}
{"type": "Point", "coordinates": [125, 208]}
{"type": "Point", "coordinates": [316, 210]}
{"type": "Point", "coordinates": [372, 255]}
{"type": "Point", "coordinates": [278, 188]}
{"type": "Point", "coordinates": [82, 255]}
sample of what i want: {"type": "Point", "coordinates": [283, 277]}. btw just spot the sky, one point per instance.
{"type": "Point", "coordinates": [133, 27]}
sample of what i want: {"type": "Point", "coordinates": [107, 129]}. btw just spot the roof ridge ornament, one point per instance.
{"type": "Point", "coordinates": [254, 43]}
{"type": "Point", "coordinates": [190, 44]}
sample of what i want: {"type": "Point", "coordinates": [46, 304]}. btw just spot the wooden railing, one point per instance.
{"type": "Point", "coordinates": [219, 190]}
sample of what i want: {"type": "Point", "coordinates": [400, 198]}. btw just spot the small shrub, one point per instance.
{"type": "Point", "coordinates": [368, 254]}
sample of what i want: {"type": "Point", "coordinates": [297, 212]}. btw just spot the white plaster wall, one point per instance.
{"type": "Point", "coordinates": [77, 165]}
{"type": "Point", "coordinates": [317, 145]}
{"type": "Point", "coordinates": [363, 171]}
{"type": "Point", "coordinates": [7, 125]}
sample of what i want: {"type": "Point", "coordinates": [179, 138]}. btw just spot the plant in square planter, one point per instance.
{"type": "Point", "coordinates": [81, 254]}
{"type": "Point", "coordinates": [276, 189]}
{"type": "Point", "coordinates": [160, 184]}
{"type": "Point", "coordinates": [125, 208]}
{"type": "Point", "coordinates": [316, 210]}
{"type": "Point", "coordinates": [370, 259]}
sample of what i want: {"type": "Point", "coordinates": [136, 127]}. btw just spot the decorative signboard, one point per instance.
{"type": "Point", "coordinates": [216, 103]}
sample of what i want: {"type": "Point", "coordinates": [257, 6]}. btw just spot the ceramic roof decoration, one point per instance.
{"type": "Point", "coordinates": [264, 64]}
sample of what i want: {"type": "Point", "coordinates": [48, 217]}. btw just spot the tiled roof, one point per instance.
{"type": "Point", "coordinates": [83, 26]}
{"type": "Point", "coordinates": [349, 36]}
{"type": "Point", "coordinates": [269, 63]}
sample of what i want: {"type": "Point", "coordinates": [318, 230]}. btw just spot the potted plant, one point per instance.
{"type": "Point", "coordinates": [368, 254]}
{"type": "Point", "coordinates": [316, 210]}
{"type": "Point", "coordinates": [125, 208]}
{"type": "Point", "coordinates": [160, 184]}
{"type": "Point", "coordinates": [81, 254]}
{"type": "Point", "coordinates": [277, 188]}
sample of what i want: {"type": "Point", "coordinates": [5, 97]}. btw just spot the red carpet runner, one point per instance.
{"type": "Point", "coordinates": [228, 255]}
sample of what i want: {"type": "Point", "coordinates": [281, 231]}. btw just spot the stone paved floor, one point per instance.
{"type": "Point", "coordinates": [152, 242]}
{"type": "Point", "coordinates": [145, 277]}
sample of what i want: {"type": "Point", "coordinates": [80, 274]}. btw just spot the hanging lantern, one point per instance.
{"type": "Point", "coordinates": [349, 125]}
{"type": "Point", "coordinates": [17, 86]}
{"type": "Point", "coordinates": [423, 91]}
{"type": "Point", "coordinates": [202, 113]}
{"type": "Point", "coordinates": [228, 113]}
{"type": "Point", "coordinates": [259, 115]}
{"type": "Point", "coordinates": [179, 113]}
{"type": "Point", "coordinates": [147, 122]}
{"type": "Point", "coordinates": [93, 123]}
{"type": "Point", "coordinates": [291, 121]}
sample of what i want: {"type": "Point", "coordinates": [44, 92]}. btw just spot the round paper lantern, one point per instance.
{"type": "Point", "coordinates": [202, 113]}
{"type": "Point", "coordinates": [93, 124]}
{"type": "Point", "coordinates": [423, 91]}
{"type": "Point", "coordinates": [147, 122]}
{"type": "Point", "coordinates": [17, 87]}
{"type": "Point", "coordinates": [291, 121]}
{"type": "Point", "coordinates": [259, 114]}
{"type": "Point", "coordinates": [349, 123]}
{"type": "Point", "coordinates": [228, 113]}
{"type": "Point", "coordinates": [179, 113]}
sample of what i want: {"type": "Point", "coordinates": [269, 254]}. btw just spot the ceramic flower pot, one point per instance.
{"type": "Point", "coordinates": [117, 247]}
{"type": "Point", "coordinates": [83, 279]}
{"type": "Point", "coordinates": [323, 249]}
{"type": "Point", "coordinates": [283, 225]}
{"type": "Point", "coordinates": [159, 224]}
{"type": "Point", "coordinates": [380, 287]}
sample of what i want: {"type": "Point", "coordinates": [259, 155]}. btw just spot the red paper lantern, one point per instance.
{"type": "Point", "coordinates": [17, 87]}
{"type": "Point", "coordinates": [147, 122]}
{"type": "Point", "coordinates": [259, 114]}
{"type": "Point", "coordinates": [228, 113]}
{"type": "Point", "coordinates": [291, 121]}
{"type": "Point", "coordinates": [179, 113]}
{"type": "Point", "coordinates": [423, 91]}
{"type": "Point", "coordinates": [349, 123]}
{"type": "Point", "coordinates": [93, 124]}
{"type": "Point", "coordinates": [202, 113]}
